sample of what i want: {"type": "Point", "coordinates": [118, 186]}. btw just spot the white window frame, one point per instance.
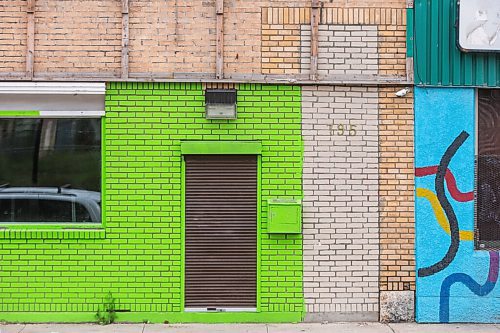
{"type": "Point", "coordinates": [18, 89]}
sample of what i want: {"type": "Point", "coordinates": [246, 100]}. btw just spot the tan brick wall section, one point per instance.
{"type": "Point", "coordinates": [242, 36]}
{"type": "Point", "coordinates": [392, 47]}
{"type": "Point", "coordinates": [158, 44]}
{"type": "Point", "coordinates": [77, 36]}
{"type": "Point", "coordinates": [281, 30]}
{"type": "Point", "coordinates": [151, 41]}
{"type": "Point", "coordinates": [281, 49]}
{"type": "Point", "coordinates": [12, 35]}
{"type": "Point", "coordinates": [178, 36]}
{"type": "Point", "coordinates": [397, 233]}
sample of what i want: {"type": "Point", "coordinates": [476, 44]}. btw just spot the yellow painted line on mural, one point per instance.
{"type": "Point", "coordinates": [465, 235]}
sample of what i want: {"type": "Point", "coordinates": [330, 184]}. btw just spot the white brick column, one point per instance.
{"type": "Point", "coordinates": [341, 214]}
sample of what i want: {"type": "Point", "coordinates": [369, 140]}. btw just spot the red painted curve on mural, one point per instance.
{"type": "Point", "coordinates": [450, 182]}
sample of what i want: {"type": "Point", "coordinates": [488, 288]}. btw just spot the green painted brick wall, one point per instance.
{"type": "Point", "coordinates": [139, 258]}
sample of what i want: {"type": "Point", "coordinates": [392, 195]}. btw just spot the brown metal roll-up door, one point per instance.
{"type": "Point", "coordinates": [221, 231]}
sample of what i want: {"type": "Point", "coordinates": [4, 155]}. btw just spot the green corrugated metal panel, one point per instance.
{"type": "Point", "coordinates": [410, 28]}
{"type": "Point", "coordinates": [438, 61]}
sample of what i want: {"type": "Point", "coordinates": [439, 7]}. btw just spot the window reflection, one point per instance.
{"type": "Point", "coordinates": [50, 170]}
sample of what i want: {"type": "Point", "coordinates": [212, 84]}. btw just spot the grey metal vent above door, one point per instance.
{"type": "Point", "coordinates": [221, 231]}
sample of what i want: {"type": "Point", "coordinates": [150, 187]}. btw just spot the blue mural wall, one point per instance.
{"type": "Point", "coordinates": [455, 283]}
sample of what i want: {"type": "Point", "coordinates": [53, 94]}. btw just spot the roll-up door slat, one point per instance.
{"type": "Point", "coordinates": [221, 231]}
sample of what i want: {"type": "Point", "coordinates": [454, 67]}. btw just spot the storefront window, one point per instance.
{"type": "Point", "coordinates": [50, 170]}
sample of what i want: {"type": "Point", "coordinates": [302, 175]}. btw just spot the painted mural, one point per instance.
{"type": "Point", "coordinates": [455, 282]}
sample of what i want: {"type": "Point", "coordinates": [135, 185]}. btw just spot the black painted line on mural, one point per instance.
{"type": "Point", "coordinates": [448, 209]}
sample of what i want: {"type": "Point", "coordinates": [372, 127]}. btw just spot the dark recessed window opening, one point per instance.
{"type": "Point", "coordinates": [487, 231]}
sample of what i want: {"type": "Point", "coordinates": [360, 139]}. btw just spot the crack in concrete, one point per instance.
{"type": "Point", "coordinates": [390, 327]}
{"type": "Point", "coordinates": [143, 327]}
{"type": "Point", "coordinates": [22, 329]}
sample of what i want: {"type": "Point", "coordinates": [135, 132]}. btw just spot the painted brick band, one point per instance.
{"type": "Point", "coordinates": [139, 259]}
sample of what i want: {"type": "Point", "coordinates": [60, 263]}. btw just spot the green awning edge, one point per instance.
{"type": "Point", "coordinates": [21, 113]}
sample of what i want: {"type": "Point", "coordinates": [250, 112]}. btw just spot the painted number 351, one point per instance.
{"type": "Point", "coordinates": [341, 129]}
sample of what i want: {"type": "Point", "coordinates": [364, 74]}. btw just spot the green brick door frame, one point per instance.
{"type": "Point", "coordinates": [220, 148]}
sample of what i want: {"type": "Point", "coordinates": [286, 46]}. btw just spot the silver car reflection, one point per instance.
{"type": "Point", "coordinates": [49, 204]}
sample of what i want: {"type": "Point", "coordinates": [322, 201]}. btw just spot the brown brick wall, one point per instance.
{"type": "Point", "coordinates": [397, 233]}
{"type": "Point", "coordinates": [12, 35]}
{"type": "Point", "coordinates": [77, 36]}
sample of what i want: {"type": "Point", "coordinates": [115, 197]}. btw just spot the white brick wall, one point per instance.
{"type": "Point", "coordinates": [342, 49]}
{"type": "Point", "coordinates": [341, 217]}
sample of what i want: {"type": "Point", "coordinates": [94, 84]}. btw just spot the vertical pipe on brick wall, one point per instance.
{"type": "Point", "coordinates": [219, 60]}
{"type": "Point", "coordinates": [30, 39]}
{"type": "Point", "coordinates": [125, 39]}
{"type": "Point", "coordinates": [314, 39]}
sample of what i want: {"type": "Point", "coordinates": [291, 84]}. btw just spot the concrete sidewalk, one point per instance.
{"type": "Point", "coordinates": [252, 328]}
